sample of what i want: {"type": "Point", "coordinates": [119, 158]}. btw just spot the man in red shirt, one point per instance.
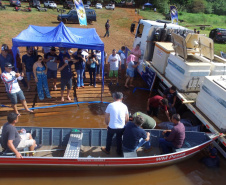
{"type": "Point", "coordinates": [155, 103]}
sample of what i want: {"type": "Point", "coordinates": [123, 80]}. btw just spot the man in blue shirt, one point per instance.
{"type": "Point", "coordinates": [28, 61]}
{"type": "Point", "coordinates": [5, 57]}
{"type": "Point", "coordinates": [65, 69]}
{"type": "Point", "coordinates": [134, 137]}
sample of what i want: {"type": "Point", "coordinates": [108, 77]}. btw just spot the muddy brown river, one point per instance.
{"type": "Point", "coordinates": [189, 172]}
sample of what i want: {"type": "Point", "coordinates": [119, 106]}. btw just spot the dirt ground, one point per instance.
{"type": "Point", "coordinates": [120, 21]}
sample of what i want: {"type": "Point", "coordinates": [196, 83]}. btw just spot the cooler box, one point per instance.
{"type": "Point", "coordinates": [187, 75]}
{"type": "Point", "coordinates": [161, 54]}
{"type": "Point", "coordinates": [218, 65]}
{"type": "Point", "coordinates": [211, 100]}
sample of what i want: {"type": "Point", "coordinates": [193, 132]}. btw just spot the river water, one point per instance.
{"type": "Point", "coordinates": [189, 172]}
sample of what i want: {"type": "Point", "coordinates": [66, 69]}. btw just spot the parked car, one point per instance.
{"type": "Point", "coordinates": [218, 35]}
{"type": "Point", "coordinates": [110, 7]}
{"type": "Point", "coordinates": [15, 3]}
{"type": "Point", "coordinates": [50, 4]}
{"type": "Point", "coordinates": [86, 6]}
{"type": "Point", "coordinates": [72, 16]}
{"type": "Point", "coordinates": [34, 3]}
{"type": "Point", "coordinates": [69, 5]}
{"type": "Point", "coordinates": [99, 6]}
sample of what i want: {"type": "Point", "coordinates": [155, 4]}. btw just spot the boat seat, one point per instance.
{"type": "Point", "coordinates": [127, 154]}
{"type": "Point", "coordinates": [185, 146]}
{"type": "Point", "coordinates": [74, 144]}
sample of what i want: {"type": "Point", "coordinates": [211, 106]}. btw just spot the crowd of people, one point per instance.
{"type": "Point", "coordinates": [129, 132]}
{"type": "Point", "coordinates": [43, 68]}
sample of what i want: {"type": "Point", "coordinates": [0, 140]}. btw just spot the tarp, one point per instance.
{"type": "Point", "coordinates": [60, 36]}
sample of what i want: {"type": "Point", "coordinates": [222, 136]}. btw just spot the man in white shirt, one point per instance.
{"type": "Point", "coordinates": [114, 61]}
{"type": "Point", "coordinates": [116, 115]}
{"type": "Point", "coordinates": [13, 90]}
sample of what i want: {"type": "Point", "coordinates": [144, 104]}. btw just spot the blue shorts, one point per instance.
{"type": "Point", "coordinates": [13, 97]}
{"type": "Point", "coordinates": [51, 74]}
{"type": "Point", "coordinates": [29, 74]}
{"type": "Point", "coordinates": [130, 73]}
{"type": "Point", "coordinates": [66, 82]}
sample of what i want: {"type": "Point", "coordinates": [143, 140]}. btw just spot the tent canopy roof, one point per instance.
{"type": "Point", "coordinates": [147, 4]}
{"type": "Point", "coordinates": [60, 36]}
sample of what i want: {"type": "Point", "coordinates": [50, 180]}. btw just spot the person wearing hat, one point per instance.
{"type": "Point", "coordinates": [149, 122]}
{"type": "Point", "coordinates": [5, 57]}
{"type": "Point", "coordinates": [51, 59]}
{"type": "Point", "coordinates": [173, 139]}
{"type": "Point", "coordinates": [134, 137]}
{"type": "Point", "coordinates": [13, 90]}
{"type": "Point", "coordinates": [107, 26]}
{"type": "Point", "coordinates": [12, 141]}
{"type": "Point", "coordinates": [156, 102]}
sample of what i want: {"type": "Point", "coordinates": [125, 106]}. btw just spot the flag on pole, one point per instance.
{"type": "Point", "coordinates": [80, 12]}
{"type": "Point", "coordinates": [174, 14]}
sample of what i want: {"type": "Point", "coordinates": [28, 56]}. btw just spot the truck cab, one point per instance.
{"type": "Point", "coordinates": [149, 31]}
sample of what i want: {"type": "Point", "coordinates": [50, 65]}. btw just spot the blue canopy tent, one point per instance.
{"type": "Point", "coordinates": [147, 4]}
{"type": "Point", "coordinates": [60, 36]}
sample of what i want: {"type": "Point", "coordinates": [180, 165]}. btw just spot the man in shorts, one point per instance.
{"type": "Point", "coordinates": [66, 75]}
{"type": "Point", "coordinates": [51, 60]}
{"type": "Point", "coordinates": [12, 141]}
{"type": "Point", "coordinates": [13, 90]}
{"type": "Point", "coordinates": [114, 61]}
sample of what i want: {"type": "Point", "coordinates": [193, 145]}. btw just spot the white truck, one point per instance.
{"type": "Point", "coordinates": [160, 56]}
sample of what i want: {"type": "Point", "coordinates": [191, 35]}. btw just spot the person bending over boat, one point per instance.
{"type": "Point", "coordinates": [13, 141]}
{"type": "Point", "coordinates": [171, 95]}
{"type": "Point", "coordinates": [173, 139]}
{"type": "Point", "coordinates": [149, 122]}
{"type": "Point", "coordinates": [155, 103]}
{"type": "Point", "coordinates": [116, 115]}
{"type": "Point", "coordinates": [134, 137]}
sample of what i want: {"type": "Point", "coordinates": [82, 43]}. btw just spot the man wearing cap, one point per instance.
{"type": "Point", "coordinates": [52, 59]}
{"type": "Point", "coordinates": [156, 102]}
{"type": "Point", "coordinates": [134, 137]}
{"type": "Point", "coordinates": [13, 90]}
{"type": "Point", "coordinates": [149, 122]}
{"type": "Point", "coordinates": [28, 61]}
{"type": "Point", "coordinates": [116, 115]}
{"type": "Point", "coordinates": [12, 141]}
{"type": "Point", "coordinates": [5, 57]}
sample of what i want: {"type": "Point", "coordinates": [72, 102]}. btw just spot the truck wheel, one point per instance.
{"type": "Point", "coordinates": [64, 20]}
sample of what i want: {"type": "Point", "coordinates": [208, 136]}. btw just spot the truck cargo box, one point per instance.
{"type": "Point", "coordinates": [161, 54]}
{"type": "Point", "coordinates": [187, 75]}
{"type": "Point", "coordinates": [211, 100]}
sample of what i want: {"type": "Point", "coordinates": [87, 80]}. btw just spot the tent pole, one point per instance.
{"type": "Point", "coordinates": [102, 83]}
